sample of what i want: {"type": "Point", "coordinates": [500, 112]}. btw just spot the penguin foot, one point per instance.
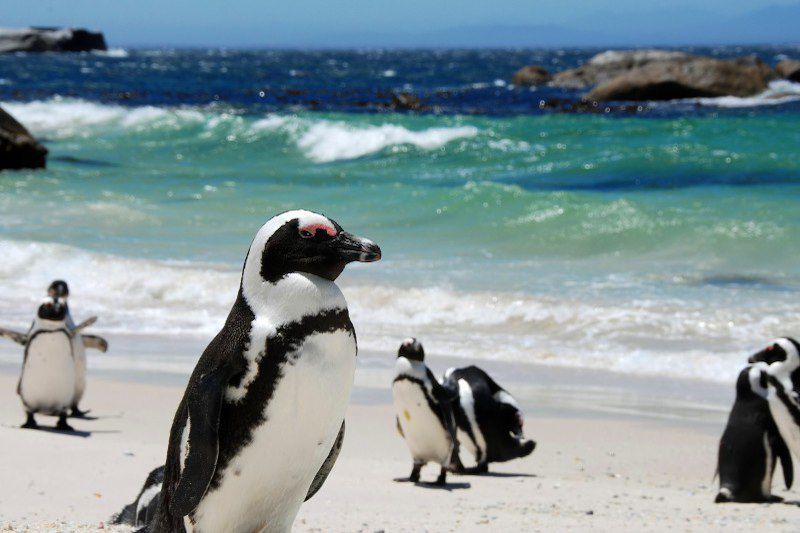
{"type": "Point", "coordinates": [77, 413]}
{"type": "Point", "coordinates": [442, 479]}
{"type": "Point", "coordinates": [62, 424]}
{"type": "Point", "coordinates": [30, 423]}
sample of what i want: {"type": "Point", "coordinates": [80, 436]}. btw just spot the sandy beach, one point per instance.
{"type": "Point", "coordinates": [649, 469]}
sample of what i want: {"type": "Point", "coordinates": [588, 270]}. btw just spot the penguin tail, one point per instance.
{"type": "Point", "coordinates": [724, 496]}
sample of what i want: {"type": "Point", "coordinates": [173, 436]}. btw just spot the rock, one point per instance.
{"type": "Point", "coordinates": [789, 69]}
{"type": "Point", "coordinates": [531, 75]}
{"type": "Point", "coordinates": [406, 102]}
{"type": "Point", "coordinates": [610, 64]}
{"type": "Point", "coordinates": [686, 77]}
{"type": "Point", "coordinates": [50, 40]}
{"type": "Point", "coordinates": [18, 148]}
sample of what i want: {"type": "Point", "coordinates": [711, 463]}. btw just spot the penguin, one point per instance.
{"type": "Point", "coordinates": [782, 357]}
{"type": "Point", "coordinates": [751, 444]}
{"type": "Point", "coordinates": [488, 418]}
{"type": "Point", "coordinates": [47, 381]}
{"type": "Point", "coordinates": [261, 421]}
{"type": "Point", "coordinates": [142, 510]}
{"type": "Point", "coordinates": [424, 413]}
{"type": "Point", "coordinates": [59, 289]}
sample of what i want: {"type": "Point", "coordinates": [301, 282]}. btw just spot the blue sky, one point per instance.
{"type": "Point", "coordinates": [321, 23]}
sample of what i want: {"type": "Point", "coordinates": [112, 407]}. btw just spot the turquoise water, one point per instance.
{"type": "Point", "coordinates": [664, 243]}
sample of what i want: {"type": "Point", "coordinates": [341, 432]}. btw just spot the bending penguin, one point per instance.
{"type": "Point", "coordinates": [751, 444]}
{"type": "Point", "coordinates": [142, 510]}
{"type": "Point", "coordinates": [261, 421]}
{"type": "Point", "coordinates": [782, 360]}
{"type": "Point", "coordinates": [59, 289]}
{"type": "Point", "coordinates": [47, 382]}
{"type": "Point", "coordinates": [424, 413]}
{"type": "Point", "coordinates": [488, 418]}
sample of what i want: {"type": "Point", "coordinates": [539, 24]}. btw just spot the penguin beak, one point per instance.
{"type": "Point", "coordinates": [351, 248]}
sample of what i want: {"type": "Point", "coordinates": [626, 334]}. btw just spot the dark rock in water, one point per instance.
{"type": "Point", "coordinates": [18, 148]}
{"type": "Point", "coordinates": [406, 102]}
{"type": "Point", "coordinates": [686, 77]}
{"type": "Point", "coordinates": [610, 64]}
{"type": "Point", "coordinates": [531, 75]}
{"type": "Point", "coordinates": [50, 40]}
{"type": "Point", "coordinates": [789, 69]}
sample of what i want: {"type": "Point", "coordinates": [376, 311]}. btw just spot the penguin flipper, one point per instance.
{"type": "Point", "coordinates": [15, 336]}
{"type": "Point", "coordinates": [204, 407]}
{"type": "Point", "coordinates": [93, 341]}
{"type": "Point", "coordinates": [327, 466]}
{"type": "Point", "coordinates": [83, 325]}
{"type": "Point", "coordinates": [782, 451]}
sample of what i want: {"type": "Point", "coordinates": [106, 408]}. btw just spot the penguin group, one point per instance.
{"type": "Point", "coordinates": [53, 376]}
{"type": "Point", "coordinates": [436, 417]}
{"type": "Point", "coordinates": [763, 427]}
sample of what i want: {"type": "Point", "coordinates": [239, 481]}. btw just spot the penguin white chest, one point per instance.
{"type": "Point", "coordinates": [47, 384]}
{"type": "Point", "coordinates": [264, 485]}
{"type": "Point", "coordinates": [425, 436]}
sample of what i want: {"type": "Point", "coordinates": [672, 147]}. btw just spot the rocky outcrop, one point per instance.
{"type": "Point", "coordinates": [531, 75]}
{"type": "Point", "coordinates": [610, 64]}
{"type": "Point", "coordinates": [686, 77]}
{"type": "Point", "coordinates": [18, 148]}
{"type": "Point", "coordinates": [406, 102]}
{"type": "Point", "coordinates": [50, 40]}
{"type": "Point", "coordinates": [789, 69]}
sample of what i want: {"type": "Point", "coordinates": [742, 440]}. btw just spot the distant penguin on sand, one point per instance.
{"type": "Point", "coordinates": [47, 382]}
{"type": "Point", "coordinates": [262, 420]}
{"type": "Point", "coordinates": [488, 418]}
{"type": "Point", "coordinates": [751, 444]}
{"type": "Point", "coordinates": [59, 289]}
{"type": "Point", "coordinates": [424, 413]}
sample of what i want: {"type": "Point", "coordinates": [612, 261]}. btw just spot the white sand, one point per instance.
{"type": "Point", "coordinates": [594, 471]}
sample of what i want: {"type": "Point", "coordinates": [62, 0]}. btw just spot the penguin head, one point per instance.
{"type": "Point", "coordinates": [412, 350]}
{"type": "Point", "coordinates": [52, 309]}
{"type": "Point", "coordinates": [58, 289]}
{"type": "Point", "coordinates": [782, 357]}
{"type": "Point", "coordinates": [305, 242]}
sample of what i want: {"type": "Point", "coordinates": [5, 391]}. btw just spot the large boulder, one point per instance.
{"type": "Point", "coordinates": [18, 148]}
{"type": "Point", "coordinates": [789, 69]}
{"type": "Point", "coordinates": [50, 40]}
{"type": "Point", "coordinates": [610, 64]}
{"type": "Point", "coordinates": [686, 77]}
{"type": "Point", "coordinates": [531, 75]}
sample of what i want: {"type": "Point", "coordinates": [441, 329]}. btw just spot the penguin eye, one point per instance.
{"type": "Point", "coordinates": [304, 233]}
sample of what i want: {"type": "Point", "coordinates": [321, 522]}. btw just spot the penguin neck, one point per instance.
{"type": "Point", "coordinates": [43, 324]}
{"type": "Point", "coordinates": [290, 298]}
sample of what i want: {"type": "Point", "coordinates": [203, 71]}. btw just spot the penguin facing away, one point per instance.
{"type": "Point", "coordinates": [47, 381]}
{"type": "Point", "coordinates": [261, 421]}
{"type": "Point", "coordinates": [751, 444]}
{"type": "Point", "coordinates": [424, 413]}
{"type": "Point", "coordinates": [782, 358]}
{"type": "Point", "coordinates": [488, 418]}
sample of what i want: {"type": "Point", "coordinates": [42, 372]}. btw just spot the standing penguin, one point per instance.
{"type": "Point", "coordinates": [47, 382]}
{"type": "Point", "coordinates": [782, 358]}
{"type": "Point", "coordinates": [488, 418]}
{"type": "Point", "coordinates": [424, 410]}
{"type": "Point", "coordinates": [262, 420]}
{"type": "Point", "coordinates": [751, 444]}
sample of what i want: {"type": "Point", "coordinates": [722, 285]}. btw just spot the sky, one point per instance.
{"type": "Point", "coordinates": [409, 23]}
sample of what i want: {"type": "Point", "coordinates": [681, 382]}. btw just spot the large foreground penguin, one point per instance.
{"type": "Point", "coordinates": [424, 410]}
{"type": "Point", "coordinates": [488, 418]}
{"type": "Point", "coordinates": [47, 382]}
{"type": "Point", "coordinates": [751, 445]}
{"type": "Point", "coordinates": [262, 419]}
{"type": "Point", "coordinates": [782, 358]}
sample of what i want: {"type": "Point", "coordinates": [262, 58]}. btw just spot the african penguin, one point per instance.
{"type": "Point", "coordinates": [142, 510]}
{"type": "Point", "coordinates": [751, 444]}
{"type": "Point", "coordinates": [47, 382]}
{"type": "Point", "coordinates": [488, 418]}
{"type": "Point", "coordinates": [424, 413]}
{"type": "Point", "coordinates": [261, 422]}
{"type": "Point", "coordinates": [782, 358]}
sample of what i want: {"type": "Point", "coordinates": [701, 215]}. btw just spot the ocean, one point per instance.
{"type": "Point", "coordinates": [662, 241]}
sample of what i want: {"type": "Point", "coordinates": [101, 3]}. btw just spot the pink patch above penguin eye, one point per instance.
{"type": "Point", "coordinates": [311, 230]}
